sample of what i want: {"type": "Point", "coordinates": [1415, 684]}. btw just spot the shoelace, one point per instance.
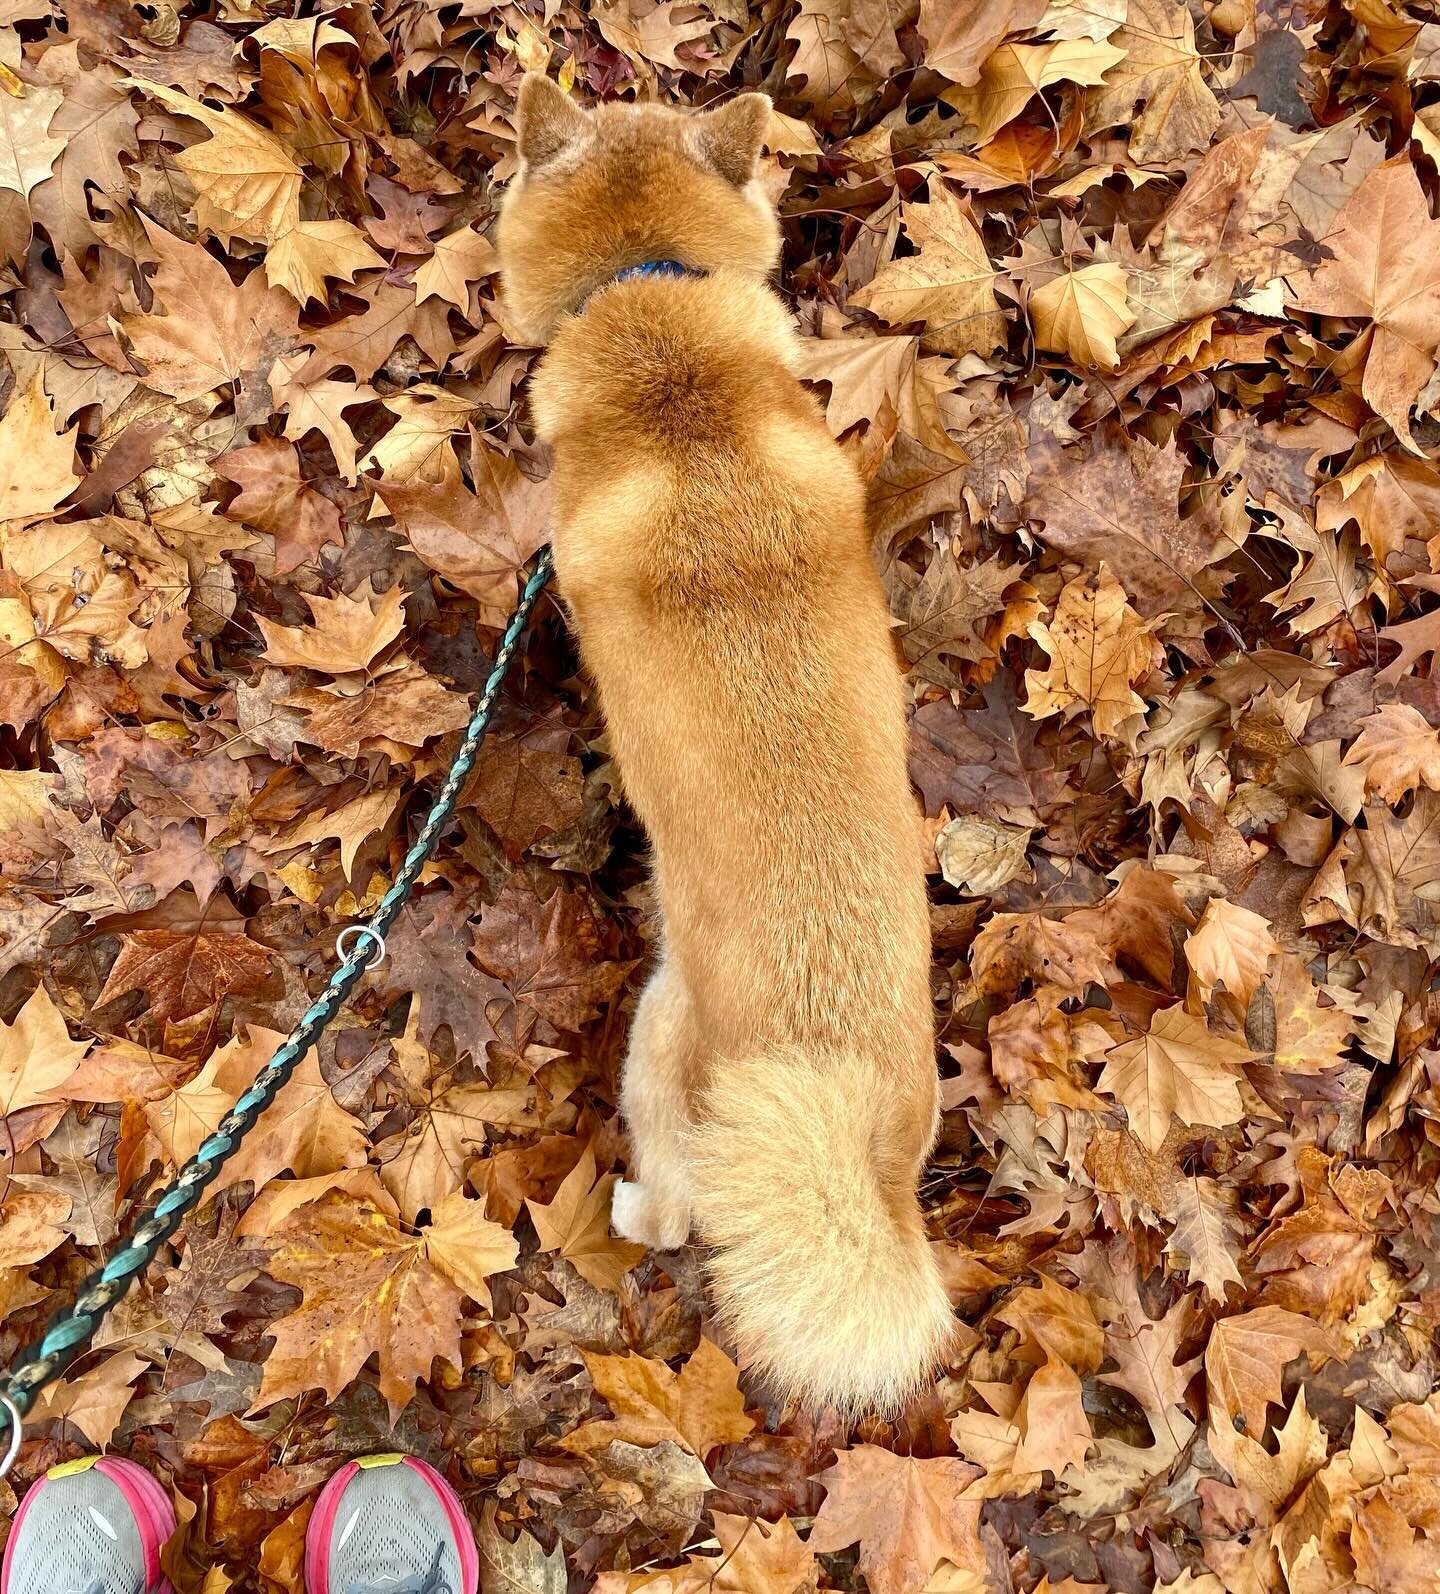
{"type": "Point", "coordinates": [433, 1582]}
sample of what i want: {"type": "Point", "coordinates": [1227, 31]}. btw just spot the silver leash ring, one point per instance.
{"type": "Point", "coordinates": [361, 932]}
{"type": "Point", "coordinates": [17, 1433]}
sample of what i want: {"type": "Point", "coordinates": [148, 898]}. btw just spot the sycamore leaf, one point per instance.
{"type": "Point", "coordinates": [368, 1287]}
{"type": "Point", "coordinates": [1383, 265]}
{"type": "Point", "coordinates": [577, 1225]}
{"type": "Point", "coordinates": [183, 972]}
{"type": "Point", "coordinates": [459, 259]}
{"type": "Point", "coordinates": [276, 500]}
{"type": "Point", "coordinates": [697, 1408]}
{"type": "Point", "coordinates": [347, 634]}
{"type": "Point", "coordinates": [1397, 751]}
{"type": "Point", "coordinates": [95, 1400]}
{"type": "Point", "coordinates": [1206, 1234]}
{"type": "Point", "coordinates": [948, 283]}
{"type": "Point", "coordinates": [37, 1056]}
{"type": "Point", "coordinates": [1247, 1354]}
{"type": "Point", "coordinates": [37, 466]}
{"type": "Point", "coordinates": [308, 253]}
{"type": "Point", "coordinates": [960, 39]}
{"type": "Point", "coordinates": [1081, 313]}
{"type": "Point", "coordinates": [1231, 947]}
{"type": "Point", "coordinates": [1099, 647]}
{"type": "Point", "coordinates": [1161, 71]}
{"type": "Point", "coordinates": [27, 150]}
{"type": "Point", "coordinates": [908, 1516]}
{"type": "Point", "coordinates": [187, 1116]}
{"type": "Point", "coordinates": [1177, 1070]}
{"type": "Point", "coordinates": [246, 182]}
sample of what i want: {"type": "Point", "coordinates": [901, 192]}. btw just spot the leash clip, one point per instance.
{"type": "Point", "coordinates": [361, 932]}
{"type": "Point", "coordinates": [17, 1433]}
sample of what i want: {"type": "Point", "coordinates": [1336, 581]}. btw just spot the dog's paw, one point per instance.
{"type": "Point", "coordinates": [636, 1214]}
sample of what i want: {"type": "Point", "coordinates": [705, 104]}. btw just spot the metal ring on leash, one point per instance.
{"type": "Point", "coordinates": [17, 1433]}
{"type": "Point", "coordinates": [361, 931]}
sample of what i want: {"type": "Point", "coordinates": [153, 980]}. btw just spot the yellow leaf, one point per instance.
{"type": "Point", "coordinates": [577, 1225]}
{"type": "Point", "coordinates": [1231, 947]}
{"type": "Point", "coordinates": [1098, 647]}
{"type": "Point", "coordinates": [37, 1056]}
{"type": "Point", "coordinates": [459, 259]}
{"type": "Point", "coordinates": [37, 467]}
{"type": "Point", "coordinates": [1162, 71]}
{"type": "Point", "coordinates": [466, 1246]}
{"type": "Point", "coordinates": [311, 251]}
{"type": "Point", "coordinates": [1081, 313]}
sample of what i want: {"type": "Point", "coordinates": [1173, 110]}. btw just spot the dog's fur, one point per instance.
{"type": "Point", "coordinates": [710, 542]}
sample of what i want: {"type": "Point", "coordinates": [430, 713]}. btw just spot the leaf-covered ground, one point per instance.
{"type": "Point", "coordinates": [1129, 313]}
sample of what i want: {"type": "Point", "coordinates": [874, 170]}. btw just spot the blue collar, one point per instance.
{"type": "Point", "coordinates": [647, 268]}
{"type": "Point", "coordinates": [654, 268]}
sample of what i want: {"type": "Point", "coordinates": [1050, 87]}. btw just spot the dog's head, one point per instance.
{"type": "Point", "coordinates": [622, 185]}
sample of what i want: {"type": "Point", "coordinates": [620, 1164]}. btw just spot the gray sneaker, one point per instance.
{"type": "Point", "coordinates": [389, 1524]}
{"type": "Point", "coordinates": [93, 1526]}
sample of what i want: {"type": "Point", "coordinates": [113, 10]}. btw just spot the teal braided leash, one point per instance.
{"type": "Point", "coordinates": [72, 1329]}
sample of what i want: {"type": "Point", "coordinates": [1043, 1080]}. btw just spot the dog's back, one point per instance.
{"type": "Point", "coordinates": [711, 543]}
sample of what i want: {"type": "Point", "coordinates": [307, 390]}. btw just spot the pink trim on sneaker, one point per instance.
{"type": "Point", "coordinates": [320, 1528]}
{"type": "Point", "coordinates": [152, 1509]}
{"type": "Point", "coordinates": [149, 1505]}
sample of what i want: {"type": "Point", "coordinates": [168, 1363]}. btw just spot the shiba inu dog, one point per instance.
{"type": "Point", "coordinates": [710, 542]}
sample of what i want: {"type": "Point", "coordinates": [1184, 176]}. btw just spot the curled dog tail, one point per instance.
{"type": "Point", "coordinates": [821, 1267]}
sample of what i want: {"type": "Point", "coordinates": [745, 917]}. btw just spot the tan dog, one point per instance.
{"type": "Point", "coordinates": [710, 542]}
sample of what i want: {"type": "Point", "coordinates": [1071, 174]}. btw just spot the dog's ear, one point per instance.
{"type": "Point", "coordinates": [729, 138]}
{"type": "Point", "coordinates": [548, 121]}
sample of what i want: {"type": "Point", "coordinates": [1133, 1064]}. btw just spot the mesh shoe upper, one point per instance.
{"type": "Point", "coordinates": [78, 1537]}
{"type": "Point", "coordinates": [391, 1536]}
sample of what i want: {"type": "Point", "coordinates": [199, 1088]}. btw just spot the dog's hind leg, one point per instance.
{"type": "Point", "coordinates": [661, 1074]}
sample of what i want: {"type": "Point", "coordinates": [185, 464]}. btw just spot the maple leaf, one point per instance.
{"type": "Point", "coordinates": [908, 1515]}
{"type": "Point", "coordinates": [697, 1408]}
{"type": "Point", "coordinates": [1178, 1069]}
{"type": "Point", "coordinates": [212, 333]}
{"type": "Point", "coordinates": [528, 785]}
{"type": "Point", "coordinates": [364, 342]}
{"type": "Point", "coordinates": [95, 1400]}
{"type": "Point", "coordinates": [1054, 1432]}
{"type": "Point", "coordinates": [37, 467]}
{"type": "Point", "coordinates": [1231, 947]}
{"type": "Point", "coordinates": [309, 252]}
{"type": "Point", "coordinates": [186, 1117]}
{"type": "Point", "coordinates": [958, 40]}
{"type": "Point", "coordinates": [347, 634]}
{"type": "Point", "coordinates": [1247, 1354]}
{"type": "Point", "coordinates": [944, 613]}
{"type": "Point", "coordinates": [369, 1287]}
{"type": "Point", "coordinates": [1308, 1038]}
{"type": "Point", "coordinates": [1099, 647]}
{"type": "Point", "coordinates": [275, 499]}
{"type": "Point", "coordinates": [480, 541]}
{"type": "Point", "coordinates": [28, 151]}
{"type": "Point", "coordinates": [1161, 70]}
{"type": "Point", "coordinates": [948, 283]}
{"type": "Point", "coordinates": [37, 1057]}
{"type": "Point", "coordinates": [1384, 266]}
{"type": "Point", "coordinates": [183, 972]}
{"type": "Point", "coordinates": [1397, 752]}
{"type": "Point", "coordinates": [577, 1225]}
{"type": "Point", "coordinates": [1015, 73]}
{"type": "Point", "coordinates": [404, 708]}
{"type": "Point", "coordinates": [549, 954]}
{"type": "Point", "coordinates": [1081, 312]}
{"type": "Point", "coordinates": [320, 405]}
{"type": "Point", "coordinates": [457, 260]}
{"type": "Point", "coordinates": [304, 1130]}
